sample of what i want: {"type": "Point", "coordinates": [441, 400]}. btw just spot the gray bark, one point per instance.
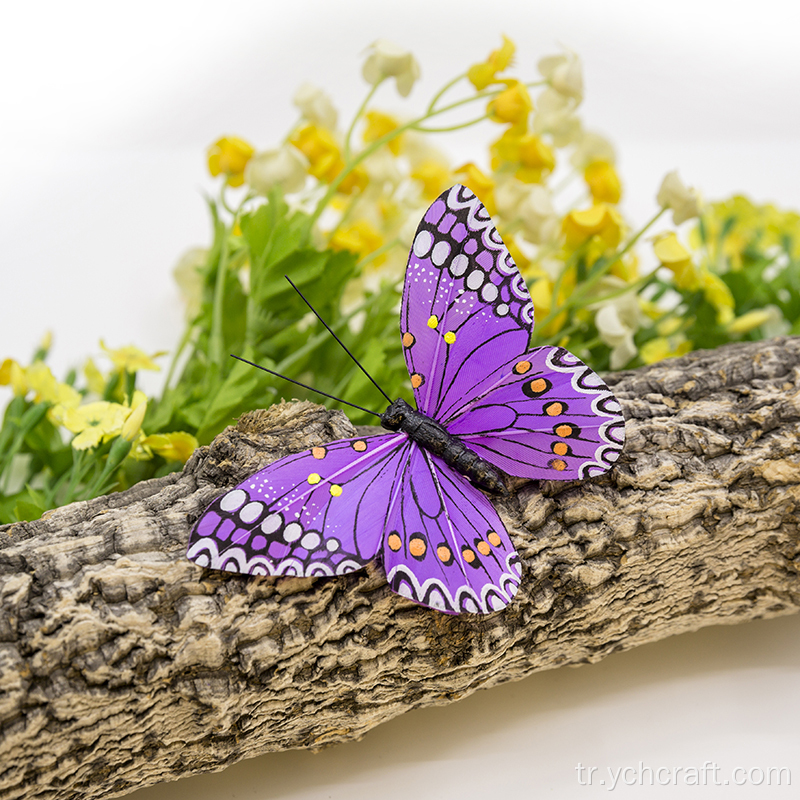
{"type": "Point", "coordinates": [122, 664]}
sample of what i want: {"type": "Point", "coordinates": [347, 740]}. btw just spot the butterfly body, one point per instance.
{"type": "Point", "coordinates": [487, 406]}
{"type": "Point", "coordinates": [434, 437]}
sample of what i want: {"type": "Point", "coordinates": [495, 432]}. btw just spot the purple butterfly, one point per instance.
{"type": "Point", "coordinates": [487, 405]}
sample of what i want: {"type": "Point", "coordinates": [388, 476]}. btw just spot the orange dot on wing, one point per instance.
{"type": "Point", "coordinates": [483, 548]}
{"type": "Point", "coordinates": [417, 546]}
{"type": "Point", "coordinates": [521, 367]}
{"type": "Point", "coordinates": [318, 452]}
{"type": "Point", "coordinates": [416, 380]}
{"type": "Point", "coordinates": [538, 385]}
{"type": "Point", "coordinates": [560, 448]}
{"type": "Point", "coordinates": [564, 430]}
{"type": "Point", "coordinates": [360, 446]}
{"type": "Point", "coordinates": [443, 553]}
{"type": "Point", "coordinates": [494, 538]}
{"type": "Point", "coordinates": [554, 409]}
{"type": "Point", "coordinates": [559, 464]}
{"type": "Point", "coordinates": [394, 542]}
{"type": "Point", "coordinates": [408, 339]}
{"type": "Point", "coordinates": [469, 555]}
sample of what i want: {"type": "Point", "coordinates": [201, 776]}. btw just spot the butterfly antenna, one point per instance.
{"type": "Point", "coordinates": [388, 399]}
{"type": "Point", "coordinates": [310, 388]}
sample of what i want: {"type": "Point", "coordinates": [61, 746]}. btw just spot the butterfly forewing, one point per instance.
{"type": "Point", "coordinates": [543, 415]}
{"type": "Point", "coordinates": [465, 307]}
{"type": "Point", "coordinates": [445, 545]}
{"type": "Point", "coordinates": [320, 512]}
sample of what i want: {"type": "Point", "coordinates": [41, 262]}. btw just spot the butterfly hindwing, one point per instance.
{"type": "Point", "coordinates": [543, 415]}
{"type": "Point", "coordinates": [319, 512]}
{"type": "Point", "coordinates": [465, 305]}
{"type": "Point", "coordinates": [445, 545]}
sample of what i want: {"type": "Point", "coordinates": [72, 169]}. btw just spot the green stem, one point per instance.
{"type": "Point", "coordinates": [379, 252]}
{"type": "Point", "coordinates": [446, 88]}
{"type": "Point", "coordinates": [361, 109]}
{"type": "Point", "coordinates": [378, 143]}
{"type": "Point", "coordinates": [576, 298]}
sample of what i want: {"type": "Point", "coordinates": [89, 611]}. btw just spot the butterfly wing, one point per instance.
{"type": "Point", "coordinates": [445, 545]}
{"type": "Point", "coordinates": [543, 415]}
{"type": "Point", "coordinates": [465, 306]}
{"type": "Point", "coordinates": [319, 512]}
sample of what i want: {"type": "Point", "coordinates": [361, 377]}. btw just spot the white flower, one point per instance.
{"type": "Point", "coordinates": [564, 73]}
{"type": "Point", "coordinates": [188, 274]}
{"type": "Point", "coordinates": [592, 147]}
{"type": "Point", "coordinates": [538, 217]}
{"type": "Point", "coordinates": [315, 106]}
{"type": "Point", "coordinates": [617, 320]}
{"type": "Point", "coordinates": [554, 114]}
{"type": "Point", "coordinates": [387, 60]}
{"type": "Point", "coordinates": [285, 168]}
{"type": "Point", "coordinates": [684, 203]}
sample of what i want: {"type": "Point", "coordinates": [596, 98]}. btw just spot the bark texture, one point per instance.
{"type": "Point", "coordinates": [122, 664]}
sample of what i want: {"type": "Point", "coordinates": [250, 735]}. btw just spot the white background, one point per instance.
{"type": "Point", "coordinates": [107, 109]}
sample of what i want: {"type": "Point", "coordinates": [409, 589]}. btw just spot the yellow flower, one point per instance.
{"type": "Point", "coordinates": [228, 156]}
{"type": "Point", "coordinates": [12, 374]}
{"type": "Point", "coordinates": [93, 423]}
{"type": "Point", "coordinates": [284, 168]}
{"type": "Point", "coordinates": [662, 347]}
{"type": "Point", "coordinates": [131, 358]}
{"type": "Point", "coordinates": [172, 446]}
{"type": "Point", "coordinates": [361, 237]}
{"type": "Point", "coordinates": [479, 182]}
{"type": "Point", "coordinates": [675, 257]}
{"type": "Point", "coordinates": [387, 60]}
{"type": "Point", "coordinates": [603, 182]}
{"type": "Point", "coordinates": [434, 177]}
{"type": "Point", "coordinates": [513, 105]}
{"type": "Point", "coordinates": [530, 155]}
{"type": "Point", "coordinates": [315, 106]}
{"type": "Point", "coordinates": [684, 203]}
{"type": "Point", "coordinates": [320, 148]}
{"type": "Point", "coordinates": [48, 389]}
{"type": "Point", "coordinates": [719, 295]}
{"type": "Point", "coordinates": [541, 292]}
{"type": "Point", "coordinates": [601, 221]}
{"type": "Point", "coordinates": [481, 75]}
{"type": "Point", "coordinates": [133, 424]}
{"type": "Point", "coordinates": [751, 320]}
{"type": "Point", "coordinates": [564, 74]}
{"type": "Point", "coordinates": [378, 125]}
{"type": "Point", "coordinates": [95, 379]}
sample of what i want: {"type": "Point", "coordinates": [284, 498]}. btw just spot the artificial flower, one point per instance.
{"type": "Point", "coordinates": [513, 105]}
{"type": "Point", "coordinates": [529, 156]}
{"type": "Point", "coordinates": [315, 106]}
{"type": "Point", "coordinates": [564, 73]}
{"type": "Point", "coordinates": [601, 221]}
{"type": "Point", "coordinates": [682, 201]}
{"type": "Point", "coordinates": [387, 60]}
{"type": "Point", "coordinates": [675, 257]}
{"type": "Point", "coordinates": [591, 147]}
{"type": "Point", "coordinates": [228, 156]}
{"type": "Point", "coordinates": [603, 182]}
{"type": "Point", "coordinates": [379, 125]}
{"type": "Point", "coordinates": [172, 446]}
{"type": "Point", "coordinates": [131, 359]}
{"type": "Point", "coordinates": [555, 116]}
{"type": "Point", "coordinates": [13, 375]}
{"type": "Point", "coordinates": [481, 75]}
{"type": "Point", "coordinates": [284, 168]}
